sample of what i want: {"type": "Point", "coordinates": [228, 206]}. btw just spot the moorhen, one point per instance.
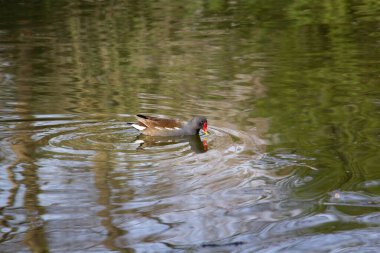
{"type": "Point", "coordinates": [154, 126]}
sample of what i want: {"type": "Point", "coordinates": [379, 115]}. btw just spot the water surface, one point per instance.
{"type": "Point", "coordinates": [291, 92]}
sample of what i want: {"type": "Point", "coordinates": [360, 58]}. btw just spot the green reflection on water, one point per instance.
{"type": "Point", "coordinates": [310, 68]}
{"type": "Point", "coordinates": [323, 92]}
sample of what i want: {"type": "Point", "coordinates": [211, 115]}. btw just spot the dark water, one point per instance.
{"type": "Point", "coordinates": [292, 93]}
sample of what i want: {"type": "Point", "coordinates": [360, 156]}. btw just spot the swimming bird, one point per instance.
{"type": "Point", "coordinates": [155, 126]}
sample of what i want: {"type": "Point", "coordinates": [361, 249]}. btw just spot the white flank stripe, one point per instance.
{"type": "Point", "coordinates": [159, 128]}
{"type": "Point", "coordinates": [169, 128]}
{"type": "Point", "coordinates": [177, 128]}
{"type": "Point", "coordinates": [138, 127]}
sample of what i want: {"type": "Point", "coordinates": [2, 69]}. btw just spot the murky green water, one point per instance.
{"type": "Point", "coordinates": [291, 90]}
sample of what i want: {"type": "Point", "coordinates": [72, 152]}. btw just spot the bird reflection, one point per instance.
{"type": "Point", "coordinates": [197, 143]}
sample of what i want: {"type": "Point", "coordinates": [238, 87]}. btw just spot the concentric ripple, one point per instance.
{"type": "Point", "coordinates": [169, 188]}
{"type": "Point", "coordinates": [76, 137]}
{"type": "Point", "coordinates": [85, 137]}
{"type": "Point", "coordinates": [173, 188]}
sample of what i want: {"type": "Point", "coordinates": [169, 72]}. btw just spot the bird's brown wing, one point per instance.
{"type": "Point", "coordinates": [152, 122]}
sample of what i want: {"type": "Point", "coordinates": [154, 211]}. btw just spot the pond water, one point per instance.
{"type": "Point", "coordinates": [291, 90]}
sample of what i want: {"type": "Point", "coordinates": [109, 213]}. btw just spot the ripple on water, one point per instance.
{"type": "Point", "coordinates": [164, 189]}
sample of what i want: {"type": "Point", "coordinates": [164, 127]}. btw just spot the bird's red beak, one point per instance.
{"type": "Point", "coordinates": [205, 128]}
{"type": "Point", "coordinates": [205, 147]}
